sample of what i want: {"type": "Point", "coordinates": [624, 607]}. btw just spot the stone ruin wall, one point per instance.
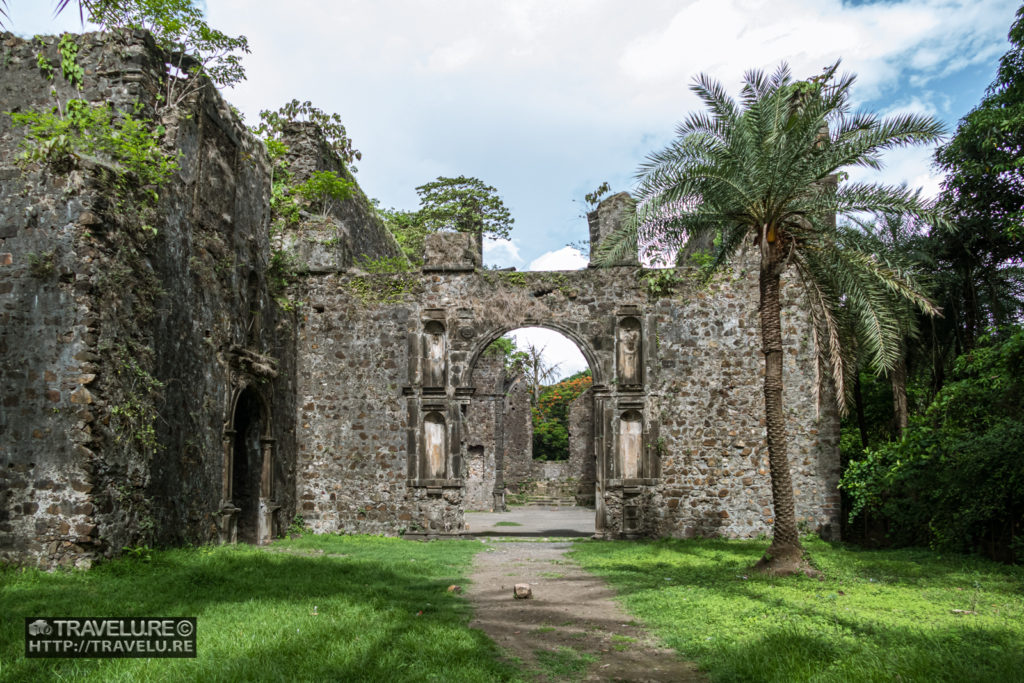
{"type": "Point", "coordinates": [582, 464]}
{"type": "Point", "coordinates": [519, 465]}
{"type": "Point", "coordinates": [482, 440]}
{"type": "Point", "coordinates": [123, 353]}
{"type": "Point", "coordinates": [121, 361]}
{"type": "Point", "coordinates": [705, 466]}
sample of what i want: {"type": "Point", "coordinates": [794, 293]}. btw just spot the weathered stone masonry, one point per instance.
{"type": "Point", "coordinates": [125, 354]}
{"type": "Point", "coordinates": [677, 420]}
{"type": "Point", "coordinates": [153, 391]}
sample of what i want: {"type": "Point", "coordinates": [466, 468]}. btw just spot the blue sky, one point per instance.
{"type": "Point", "coordinates": [545, 99]}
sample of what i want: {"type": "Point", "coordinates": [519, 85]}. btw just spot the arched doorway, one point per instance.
{"type": "Point", "coordinates": [527, 436]}
{"type": "Point", "coordinates": [248, 508]}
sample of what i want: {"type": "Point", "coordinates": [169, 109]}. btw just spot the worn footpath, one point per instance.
{"type": "Point", "coordinates": [572, 628]}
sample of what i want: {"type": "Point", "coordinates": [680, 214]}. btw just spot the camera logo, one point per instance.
{"type": "Point", "coordinates": [39, 627]}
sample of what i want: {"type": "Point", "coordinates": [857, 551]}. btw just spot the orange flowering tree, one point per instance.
{"type": "Point", "coordinates": [551, 416]}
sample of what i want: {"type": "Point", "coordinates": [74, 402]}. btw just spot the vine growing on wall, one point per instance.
{"type": "Point", "coordinates": [125, 149]}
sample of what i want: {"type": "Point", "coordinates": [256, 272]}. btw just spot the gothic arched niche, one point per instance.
{"type": "Point", "coordinates": [631, 444]}
{"type": "Point", "coordinates": [435, 446]}
{"type": "Point", "coordinates": [629, 358]}
{"type": "Point", "coordinates": [433, 354]}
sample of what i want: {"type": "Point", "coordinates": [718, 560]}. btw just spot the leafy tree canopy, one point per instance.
{"type": "Point", "coordinates": [516, 362]}
{"type": "Point", "coordinates": [982, 281]}
{"type": "Point", "coordinates": [195, 49]}
{"type": "Point", "coordinates": [551, 416]}
{"type": "Point", "coordinates": [955, 481]}
{"type": "Point", "coordinates": [464, 204]}
{"type": "Point", "coordinates": [408, 230]}
{"type": "Point", "coordinates": [984, 161]}
{"type": "Point", "coordinates": [273, 123]}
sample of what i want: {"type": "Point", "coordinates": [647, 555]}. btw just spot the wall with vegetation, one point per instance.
{"type": "Point", "coordinates": [133, 309]}
{"type": "Point", "coordinates": [363, 386]}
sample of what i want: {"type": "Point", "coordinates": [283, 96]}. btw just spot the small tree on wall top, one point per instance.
{"type": "Point", "coordinates": [273, 123]}
{"type": "Point", "coordinates": [464, 204]}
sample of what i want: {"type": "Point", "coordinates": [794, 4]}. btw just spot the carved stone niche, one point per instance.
{"type": "Point", "coordinates": [434, 355]}
{"type": "Point", "coordinates": [629, 353]}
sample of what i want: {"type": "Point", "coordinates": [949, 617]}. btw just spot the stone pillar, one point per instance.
{"type": "Point", "coordinates": [265, 521]}
{"type": "Point", "coordinates": [601, 478]}
{"type": "Point", "coordinates": [498, 492]}
{"type": "Point", "coordinates": [228, 447]}
{"type": "Point", "coordinates": [227, 513]}
{"type": "Point", "coordinates": [610, 215]}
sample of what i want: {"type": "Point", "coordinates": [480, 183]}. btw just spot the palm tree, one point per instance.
{"type": "Point", "coordinates": [767, 171]}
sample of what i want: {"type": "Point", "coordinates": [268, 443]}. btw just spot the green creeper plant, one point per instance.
{"type": "Point", "coordinates": [60, 139]}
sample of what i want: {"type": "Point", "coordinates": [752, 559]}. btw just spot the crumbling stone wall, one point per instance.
{"type": "Point", "coordinates": [352, 234]}
{"type": "Point", "coordinates": [702, 469]}
{"type": "Point", "coordinates": [498, 429]}
{"type": "Point", "coordinates": [122, 347]}
{"type": "Point", "coordinates": [482, 439]}
{"type": "Point", "coordinates": [518, 462]}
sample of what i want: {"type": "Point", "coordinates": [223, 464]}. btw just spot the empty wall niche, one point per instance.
{"type": "Point", "coordinates": [631, 444]}
{"type": "Point", "coordinates": [433, 355]}
{"type": "Point", "coordinates": [435, 446]}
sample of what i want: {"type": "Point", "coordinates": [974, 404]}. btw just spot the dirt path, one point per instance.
{"type": "Point", "coordinates": [572, 629]}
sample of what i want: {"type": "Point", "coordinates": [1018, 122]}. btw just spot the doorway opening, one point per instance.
{"type": "Point", "coordinates": [246, 465]}
{"type": "Point", "coordinates": [528, 440]}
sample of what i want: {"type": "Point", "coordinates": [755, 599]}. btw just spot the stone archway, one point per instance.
{"type": "Point", "coordinates": [498, 433]}
{"type": "Point", "coordinates": [247, 505]}
{"type": "Point", "coordinates": [388, 365]}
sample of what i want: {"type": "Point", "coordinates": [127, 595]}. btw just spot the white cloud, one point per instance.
{"type": "Point", "coordinates": [566, 258]}
{"type": "Point", "coordinates": [501, 252]}
{"type": "Point", "coordinates": [912, 166]}
{"type": "Point", "coordinates": [558, 350]}
{"type": "Point", "coordinates": [877, 41]}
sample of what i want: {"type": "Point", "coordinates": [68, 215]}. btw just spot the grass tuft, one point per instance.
{"type": "Point", "coordinates": [564, 663]}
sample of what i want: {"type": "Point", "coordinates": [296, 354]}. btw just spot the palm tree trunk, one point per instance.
{"type": "Point", "coordinates": [899, 397]}
{"type": "Point", "coordinates": [785, 554]}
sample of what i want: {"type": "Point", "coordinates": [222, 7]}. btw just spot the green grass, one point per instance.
{"type": "Point", "coordinates": [382, 613]}
{"type": "Point", "coordinates": [507, 524]}
{"type": "Point", "coordinates": [564, 663]}
{"type": "Point", "coordinates": [877, 615]}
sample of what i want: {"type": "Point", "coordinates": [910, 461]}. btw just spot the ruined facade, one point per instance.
{"type": "Point", "coordinates": [152, 390]}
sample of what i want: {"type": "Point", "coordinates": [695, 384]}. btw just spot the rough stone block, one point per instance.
{"type": "Point", "coordinates": [451, 251]}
